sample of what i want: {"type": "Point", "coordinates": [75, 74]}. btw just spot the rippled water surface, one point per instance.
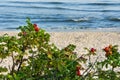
{"type": "Point", "coordinates": [54, 15]}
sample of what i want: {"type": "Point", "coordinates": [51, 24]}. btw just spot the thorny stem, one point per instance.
{"type": "Point", "coordinates": [32, 61]}
{"type": "Point", "coordinates": [1, 60]}
{"type": "Point", "coordinates": [21, 60]}
{"type": "Point", "coordinates": [74, 61]}
{"type": "Point", "coordinates": [89, 68]}
{"type": "Point", "coordinates": [13, 66]}
{"type": "Point", "coordinates": [113, 68]}
{"type": "Point", "coordinates": [112, 78]}
{"type": "Point", "coordinates": [89, 59]}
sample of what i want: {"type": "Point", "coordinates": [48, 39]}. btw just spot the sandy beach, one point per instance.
{"type": "Point", "coordinates": [96, 40]}
{"type": "Point", "coordinates": [89, 39]}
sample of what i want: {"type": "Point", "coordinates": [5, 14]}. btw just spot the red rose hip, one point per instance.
{"type": "Point", "coordinates": [78, 73]}
{"type": "Point", "coordinates": [36, 28]}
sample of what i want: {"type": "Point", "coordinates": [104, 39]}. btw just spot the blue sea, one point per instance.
{"type": "Point", "coordinates": [61, 15]}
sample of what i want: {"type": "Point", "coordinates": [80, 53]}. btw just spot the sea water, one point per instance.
{"type": "Point", "coordinates": [61, 15]}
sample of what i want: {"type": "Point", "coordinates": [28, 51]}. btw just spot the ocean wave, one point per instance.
{"type": "Point", "coordinates": [38, 7]}
{"type": "Point", "coordinates": [62, 7]}
{"type": "Point", "coordinates": [61, 13]}
{"type": "Point", "coordinates": [69, 28]}
{"type": "Point", "coordinates": [24, 2]}
{"type": "Point", "coordinates": [64, 20]}
{"type": "Point", "coordinates": [103, 4]}
{"type": "Point", "coordinates": [95, 10]}
{"type": "Point", "coordinates": [80, 20]}
{"type": "Point", "coordinates": [11, 28]}
{"type": "Point", "coordinates": [68, 3]}
{"type": "Point", "coordinates": [8, 21]}
{"type": "Point", "coordinates": [59, 8]}
{"type": "Point", "coordinates": [114, 19]}
{"type": "Point", "coordinates": [109, 29]}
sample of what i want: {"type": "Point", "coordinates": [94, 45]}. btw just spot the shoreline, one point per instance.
{"type": "Point", "coordinates": [71, 30]}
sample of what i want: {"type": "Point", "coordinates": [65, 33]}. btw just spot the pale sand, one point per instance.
{"type": "Point", "coordinates": [97, 40]}
{"type": "Point", "coordinates": [89, 39]}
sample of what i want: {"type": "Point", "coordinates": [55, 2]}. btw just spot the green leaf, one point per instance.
{"type": "Point", "coordinates": [49, 56]}
{"type": "Point", "coordinates": [3, 69]}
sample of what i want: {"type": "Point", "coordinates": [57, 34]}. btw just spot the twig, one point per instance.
{"type": "Point", "coordinates": [13, 63]}
{"type": "Point", "coordinates": [89, 68]}
{"type": "Point", "coordinates": [21, 61]}
{"type": "Point", "coordinates": [13, 67]}
{"type": "Point", "coordinates": [1, 61]}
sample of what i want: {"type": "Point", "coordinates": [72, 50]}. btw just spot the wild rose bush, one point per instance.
{"type": "Point", "coordinates": [35, 58]}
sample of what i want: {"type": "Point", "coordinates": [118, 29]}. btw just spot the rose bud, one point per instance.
{"type": "Point", "coordinates": [93, 50]}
